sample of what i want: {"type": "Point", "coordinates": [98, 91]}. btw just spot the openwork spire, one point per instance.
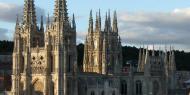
{"type": "Point", "coordinates": [60, 11]}
{"type": "Point", "coordinates": [65, 13]}
{"type": "Point", "coordinates": [29, 16]}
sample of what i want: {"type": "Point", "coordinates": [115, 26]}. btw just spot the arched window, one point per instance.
{"type": "Point", "coordinates": [123, 88]}
{"type": "Point", "coordinates": [92, 93]}
{"type": "Point", "coordinates": [138, 87]}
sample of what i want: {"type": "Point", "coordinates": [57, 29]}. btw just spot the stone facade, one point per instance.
{"type": "Point", "coordinates": [45, 61]}
{"type": "Point", "coordinates": [102, 53]}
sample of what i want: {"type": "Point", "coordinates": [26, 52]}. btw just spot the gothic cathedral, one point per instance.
{"type": "Point", "coordinates": [44, 62]}
{"type": "Point", "coordinates": [45, 59]}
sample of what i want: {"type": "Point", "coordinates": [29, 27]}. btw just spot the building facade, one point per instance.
{"type": "Point", "coordinates": [45, 61]}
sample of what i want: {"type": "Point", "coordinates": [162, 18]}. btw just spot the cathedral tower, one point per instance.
{"type": "Point", "coordinates": [103, 52]}
{"type": "Point", "coordinates": [44, 62]}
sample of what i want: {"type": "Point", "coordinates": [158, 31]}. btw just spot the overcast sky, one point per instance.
{"type": "Point", "coordinates": [159, 22]}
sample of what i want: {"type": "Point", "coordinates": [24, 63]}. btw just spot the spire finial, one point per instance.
{"type": "Point", "coordinates": [73, 21]}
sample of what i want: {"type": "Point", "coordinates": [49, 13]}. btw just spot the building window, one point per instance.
{"type": "Point", "coordinates": [123, 87]}
{"type": "Point", "coordinates": [138, 87]}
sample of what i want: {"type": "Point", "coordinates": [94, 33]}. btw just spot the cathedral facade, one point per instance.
{"type": "Point", "coordinates": [45, 59]}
